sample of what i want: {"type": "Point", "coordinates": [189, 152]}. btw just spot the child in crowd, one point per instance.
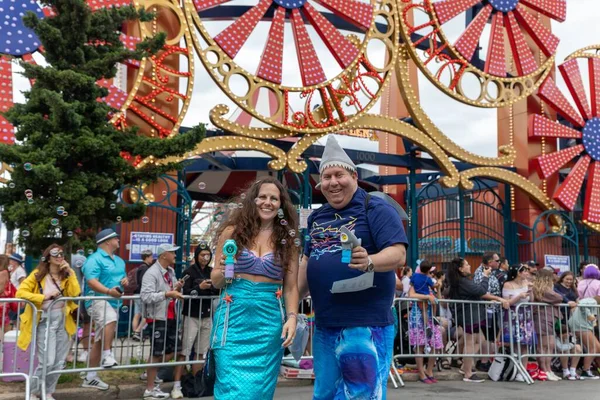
{"type": "Point", "coordinates": [422, 332]}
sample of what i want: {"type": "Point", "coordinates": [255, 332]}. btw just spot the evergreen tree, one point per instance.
{"type": "Point", "coordinates": [66, 152]}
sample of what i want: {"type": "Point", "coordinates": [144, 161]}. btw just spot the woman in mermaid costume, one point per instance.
{"type": "Point", "coordinates": [256, 317]}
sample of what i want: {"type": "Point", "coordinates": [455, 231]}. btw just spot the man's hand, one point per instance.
{"type": "Point", "coordinates": [178, 285]}
{"type": "Point", "coordinates": [205, 284]}
{"type": "Point", "coordinates": [174, 294]}
{"type": "Point", "coordinates": [114, 293]}
{"type": "Point", "coordinates": [360, 258]}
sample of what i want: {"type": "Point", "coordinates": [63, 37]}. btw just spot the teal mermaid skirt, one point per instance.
{"type": "Point", "coordinates": [246, 339]}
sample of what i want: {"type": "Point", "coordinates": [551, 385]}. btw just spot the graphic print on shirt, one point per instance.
{"type": "Point", "coordinates": [325, 237]}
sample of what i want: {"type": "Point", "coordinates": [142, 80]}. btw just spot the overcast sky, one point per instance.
{"type": "Point", "coordinates": [473, 128]}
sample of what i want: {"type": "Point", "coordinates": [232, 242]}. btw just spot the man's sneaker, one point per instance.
{"type": "Point", "coordinates": [176, 393]}
{"type": "Point", "coordinates": [589, 375]}
{"type": "Point", "coordinates": [483, 367]}
{"type": "Point", "coordinates": [155, 393]}
{"type": "Point", "coordinates": [95, 383]}
{"type": "Point", "coordinates": [474, 379]}
{"type": "Point", "coordinates": [552, 377]}
{"type": "Point", "coordinates": [82, 356]}
{"type": "Point", "coordinates": [109, 361]}
{"type": "Point", "coordinates": [144, 377]}
{"type": "Point", "coordinates": [571, 377]}
{"type": "Point", "coordinates": [136, 337]}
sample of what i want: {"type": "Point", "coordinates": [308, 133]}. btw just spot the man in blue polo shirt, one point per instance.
{"type": "Point", "coordinates": [104, 275]}
{"type": "Point", "coordinates": [354, 335]}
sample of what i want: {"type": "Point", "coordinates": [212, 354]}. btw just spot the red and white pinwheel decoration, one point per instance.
{"type": "Point", "coordinates": [585, 131]}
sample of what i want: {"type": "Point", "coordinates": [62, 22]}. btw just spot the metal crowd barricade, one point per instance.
{"type": "Point", "coordinates": [5, 322]}
{"type": "Point", "coordinates": [559, 337]}
{"type": "Point", "coordinates": [415, 338]}
{"type": "Point", "coordinates": [129, 352]}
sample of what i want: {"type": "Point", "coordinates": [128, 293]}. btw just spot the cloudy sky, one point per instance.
{"type": "Point", "coordinates": [472, 128]}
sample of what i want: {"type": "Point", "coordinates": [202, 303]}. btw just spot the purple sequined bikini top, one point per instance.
{"type": "Point", "coordinates": [249, 263]}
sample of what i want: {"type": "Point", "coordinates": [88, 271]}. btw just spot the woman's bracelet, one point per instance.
{"type": "Point", "coordinates": [292, 314]}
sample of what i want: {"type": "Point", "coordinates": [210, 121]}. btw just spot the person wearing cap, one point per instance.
{"type": "Point", "coordinates": [137, 323]}
{"type": "Point", "coordinates": [159, 291]}
{"type": "Point", "coordinates": [104, 274]}
{"type": "Point", "coordinates": [354, 325]}
{"type": "Point", "coordinates": [15, 267]}
{"type": "Point", "coordinates": [197, 313]}
{"type": "Point", "coordinates": [533, 269]}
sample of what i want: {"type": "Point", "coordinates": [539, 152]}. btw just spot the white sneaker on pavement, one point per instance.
{"type": "Point", "coordinates": [109, 361]}
{"type": "Point", "coordinates": [176, 393]}
{"type": "Point", "coordinates": [95, 383]}
{"type": "Point", "coordinates": [552, 377]}
{"type": "Point", "coordinates": [519, 378]}
{"type": "Point", "coordinates": [155, 393]}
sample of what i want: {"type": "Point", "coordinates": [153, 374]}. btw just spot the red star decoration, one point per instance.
{"type": "Point", "coordinates": [279, 293]}
{"type": "Point", "coordinates": [228, 298]}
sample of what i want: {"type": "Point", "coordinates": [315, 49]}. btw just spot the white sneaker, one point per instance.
{"type": "Point", "coordinates": [82, 356]}
{"type": "Point", "coordinates": [176, 393]}
{"type": "Point", "coordinates": [109, 361]}
{"type": "Point", "coordinates": [95, 383]}
{"type": "Point", "coordinates": [155, 393]}
{"type": "Point", "coordinates": [588, 375]}
{"type": "Point", "coordinates": [552, 377]}
{"type": "Point", "coordinates": [519, 378]}
{"type": "Point", "coordinates": [34, 397]}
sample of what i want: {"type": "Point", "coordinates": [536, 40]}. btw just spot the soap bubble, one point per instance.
{"type": "Point", "coordinates": [113, 206]}
{"type": "Point", "coordinates": [70, 233]}
{"type": "Point", "coordinates": [240, 205]}
{"type": "Point", "coordinates": [80, 252]}
{"type": "Point", "coordinates": [60, 210]}
{"type": "Point", "coordinates": [297, 242]}
{"type": "Point", "coordinates": [43, 259]}
{"type": "Point", "coordinates": [28, 192]}
{"type": "Point", "coordinates": [164, 192]}
{"type": "Point", "coordinates": [283, 222]}
{"type": "Point", "coordinates": [306, 237]}
{"type": "Point", "coordinates": [157, 334]}
{"type": "Point", "coordinates": [65, 214]}
{"type": "Point", "coordinates": [119, 219]}
{"type": "Point", "coordinates": [280, 213]}
{"type": "Point", "coordinates": [54, 221]}
{"type": "Point", "coordinates": [219, 217]}
{"type": "Point", "coordinates": [79, 263]}
{"type": "Point", "coordinates": [292, 233]}
{"type": "Point", "coordinates": [283, 241]}
{"type": "Point", "coordinates": [90, 251]}
{"type": "Point", "coordinates": [256, 200]}
{"type": "Point", "coordinates": [30, 201]}
{"type": "Point", "coordinates": [207, 257]}
{"type": "Point", "coordinates": [25, 233]}
{"type": "Point", "coordinates": [11, 185]}
{"type": "Point", "coordinates": [28, 166]}
{"type": "Point", "coordinates": [145, 220]}
{"type": "Point", "coordinates": [202, 186]}
{"type": "Point", "coordinates": [125, 309]}
{"type": "Point", "coordinates": [243, 196]}
{"type": "Point", "coordinates": [194, 293]}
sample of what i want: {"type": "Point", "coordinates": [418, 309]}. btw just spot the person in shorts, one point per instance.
{"type": "Point", "coordinates": [159, 291]}
{"type": "Point", "coordinates": [104, 274]}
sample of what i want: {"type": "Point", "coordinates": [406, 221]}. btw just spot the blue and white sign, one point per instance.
{"type": "Point", "coordinates": [560, 263]}
{"type": "Point", "coordinates": [140, 241]}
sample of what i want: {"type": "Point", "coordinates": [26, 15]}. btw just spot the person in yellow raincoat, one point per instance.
{"type": "Point", "coordinates": [53, 278]}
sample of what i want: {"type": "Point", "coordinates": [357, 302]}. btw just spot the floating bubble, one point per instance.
{"type": "Point", "coordinates": [80, 252]}
{"type": "Point", "coordinates": [306, 237]}
{"type": "Point", "coordinates": [30, 201]}
{"type": "Point", "coordinates": [219, 217]}
{"type": "Point", "coordinates": [202, 186]}
{"type": "Point", "coordinates": [79, 263]}
{"type": "Point", "coordinates": [297, 242]}
{"type": "Point", "coordinates": [145, 220]}
{"type": "Point", "coordinates": [60, 210]}
{"type": "Point", "coordinates": [283, 222]}
{"type": "Point", "coordinates": [232, 206]}
{"type": "Point", "coordinates": [28, 192]}
{"type": "Point", "coordinates": [194, 293]}
{"type": "Point", "coordinates": [25, 233]}
{"type": "Point", "coordinates": [256, 200]}
{"type": "Point", "coordinates": [280, 213]}
{"type": "Point", "coordinates": [70, 233]}
{"type": "Point", "coordinates": [43, 259]}
{"type": "Point", "coordinates": [157, 334]}
{"type": "Point", "coordinates": [90, 251]}
{"type": "Point", "coordinates": [164, 192]}
{"type": "Point", "coordinates": [283, 241]}
{"type": "Point", "coordinates": [28, 166]}
{"type": "Point", "coordinates": [119, 219]}
{"type": "Point", "coordinates": [11, 185]}
{"type": "Point", "coordinates": [54, 221]}
{"type": "Point", "coordinates": [240, 205]}
{"type": "Point", "coordinates": [125, 309]}
{"type": "Point", "coordinates": [113, 206]}
{"type": "Point", "coordinates": [243, 196]}
{"type": "Point", "coordinates": [206, 257]}
{"type": "Point", "coordinates": [292, 233]}
{"type": "Point", "coordinates": [65, 214]}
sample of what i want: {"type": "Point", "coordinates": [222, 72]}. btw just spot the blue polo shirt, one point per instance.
{"type": "Point", "coordinates": [108, 270]}
{"type": "Point", "coordinates": [379, 227]}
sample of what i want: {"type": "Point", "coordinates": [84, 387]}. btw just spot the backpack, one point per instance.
{"type": "Point", "coordinates": [502, 369]}
{"type": "Point", "coordinates": [132, 280]}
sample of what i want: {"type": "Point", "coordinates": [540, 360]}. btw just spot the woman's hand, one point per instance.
{"type": "Point", "coordinates": [288, 333]}
{"type": "Point", "coordinates": [487, 271]}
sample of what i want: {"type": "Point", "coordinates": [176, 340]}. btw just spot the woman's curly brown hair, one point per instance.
{"type": "Point", "coordinates": [245, 221]}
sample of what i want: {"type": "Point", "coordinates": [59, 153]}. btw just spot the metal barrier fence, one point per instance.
{"type": "Point", "coordinates": [17, 363]}
{"type": "Point", "coordinates": [470, 329]}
